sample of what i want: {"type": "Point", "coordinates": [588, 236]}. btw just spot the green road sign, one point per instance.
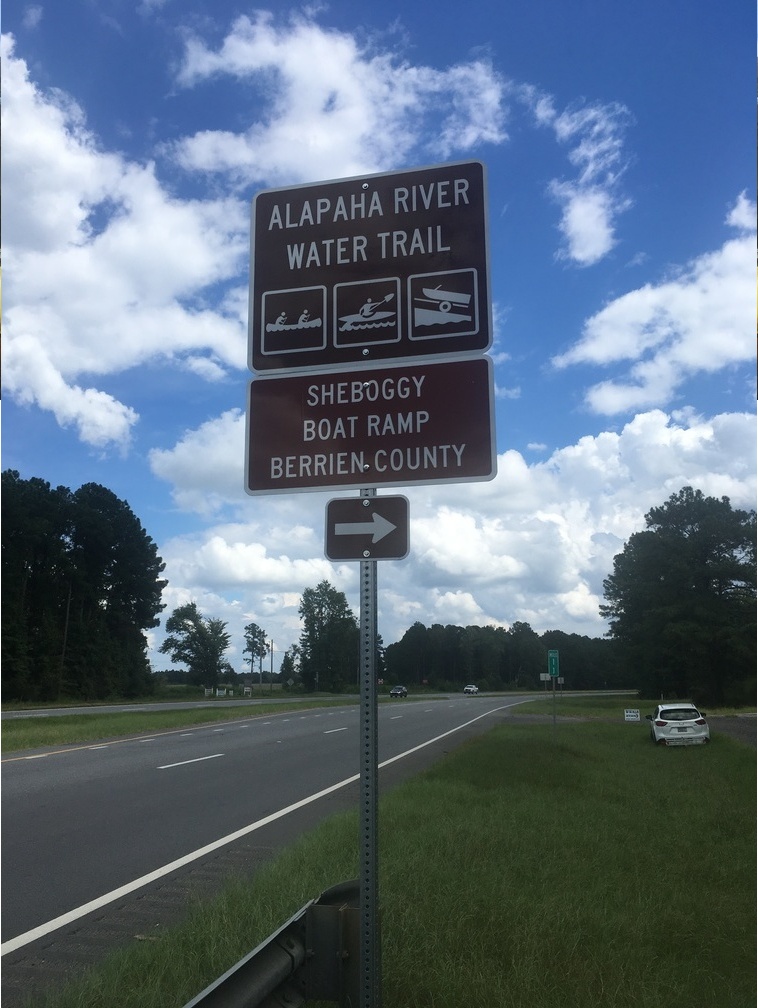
{"type": "Point", "coordinates": [552, 663]}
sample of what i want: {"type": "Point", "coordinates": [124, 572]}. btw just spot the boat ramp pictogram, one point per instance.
{"type": "Point", "coordinates": [442, 302]}
{"type": "Point", "coordinates": [443, 305]}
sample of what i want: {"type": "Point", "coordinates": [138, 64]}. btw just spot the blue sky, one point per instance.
{"type": "Point", "coordinates": [618, 140]}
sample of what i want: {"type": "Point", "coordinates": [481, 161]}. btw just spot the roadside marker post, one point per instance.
{"type": "Point", "coordinates": [554, 671]}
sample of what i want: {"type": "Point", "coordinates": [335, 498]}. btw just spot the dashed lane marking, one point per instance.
{"type": "Point", "coordinates": [169, 766]}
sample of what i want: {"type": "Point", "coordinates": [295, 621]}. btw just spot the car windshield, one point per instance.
{"type": "Point", "coordinates": [680, 714]}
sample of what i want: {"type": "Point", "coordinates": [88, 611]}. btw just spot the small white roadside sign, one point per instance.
{"type": "Point", "coordinates": [631, 715]}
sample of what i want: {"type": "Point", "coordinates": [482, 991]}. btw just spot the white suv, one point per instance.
{"type": "Point", "coordinates": [471, 688]}
{"type": "Point", "coordinates": [678, 724]}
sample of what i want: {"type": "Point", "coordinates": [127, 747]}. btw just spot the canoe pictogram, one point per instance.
{"type": "Point", "coordinates": [304, 322]}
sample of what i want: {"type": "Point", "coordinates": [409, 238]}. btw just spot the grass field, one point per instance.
{"type": "Point", "coordinates": [585, 869]}
{"type": "Point", "coordinates": [70, 729]}
{"type": "Point", "coordinates": [603, 707]}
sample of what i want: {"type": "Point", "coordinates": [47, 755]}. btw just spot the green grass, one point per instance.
{"type": "Point", "coordinates": [578, 706]}
{"type": "Point", "coordinates": [69, 729]}
{"type": "Point", "coordinates": [604, 707]}
{"type": "Point", "coordinates": [524, 871]}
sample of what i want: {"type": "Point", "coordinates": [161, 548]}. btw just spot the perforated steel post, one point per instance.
{"type": "Point", "coordinates": [370, 990]}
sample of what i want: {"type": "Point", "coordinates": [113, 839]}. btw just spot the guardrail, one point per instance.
{"type": "Point", "coordinates": [314, 956]}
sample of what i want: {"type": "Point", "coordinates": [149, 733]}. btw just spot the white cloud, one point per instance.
{"type": "Point", "coordinates": [335, 107]}
{"type": "Point", "coordinates": [222, 560]}
{"type": "Point", "coordinates": [586, 222]}
{"type": "Point", "coordinates": [32, 17]}
{"type": "Point", "coordinates": [597, 130]}
{"type": "Point", "coordinates": [534, 544]}
{"type": "Point", "coordinates": [592, 201]}
{"type": "Point", "coordinates": [150, 6]}
{"type": "Point", "coordinates": [103, 267]}
{"type": "Point", "coordinates": [459, 608]}
{"type": "Point", "coordinates": [206, 467]}
{"type": "Point", "coordinates": [742, 214]}
{"type": "Point", "coordinates": [700, 320]}
{"type": "Point", "coordinates": [106, 269]}
{"type": "Point", "coordinates": [451, 544]}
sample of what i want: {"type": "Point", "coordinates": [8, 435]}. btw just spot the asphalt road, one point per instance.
{"type": "Point", "coordinates": [104, 844]}
{"type": "Point", "coordinates": [162, 706]}
{"type": "Point", "coordinates": [83, 822]}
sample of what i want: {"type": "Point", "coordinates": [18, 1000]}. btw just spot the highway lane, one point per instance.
{"type": "Point", "coordinates": [81, 821]}
{"type": "Point", "coordinates": [124, 708]}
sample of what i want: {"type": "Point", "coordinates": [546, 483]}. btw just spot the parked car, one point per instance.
{"type": "Point", "coordinates": [471, 689]}
{"type": "Point", "coordinates": [678, 724]}
{"type": "Point", "coordinates": [400, 691]}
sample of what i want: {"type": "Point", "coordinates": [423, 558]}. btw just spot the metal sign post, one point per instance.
{"type": "Point", "coordinates": [369, 318]}
{"type": "Point", "coordinates": [553, 665]}
{"type": "Point", "coordinates": [370, 957]}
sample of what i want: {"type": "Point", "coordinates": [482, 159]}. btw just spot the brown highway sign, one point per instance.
{"type": "Point", "coordinates": [394, 425]}
{"type": "Point", "coordinates": [379, 267]}
{"type": "Point", "coordinates": [367, 528]}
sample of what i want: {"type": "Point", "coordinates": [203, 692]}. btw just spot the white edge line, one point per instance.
{"type": "Point", "coordinates": [96, 904]}
{"type": "Point", "coordinates": [73, 915]}
{"type": "Point", "coordinates": [199, 759]}
{"type": "Point", "coordinates": [333, 731]}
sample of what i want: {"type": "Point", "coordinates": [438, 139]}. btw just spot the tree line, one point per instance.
{"type": "Point", "coordinates": [82, 583]}
{"type": "Point", "coordinates": [448, 657]}
{"type": "Point", "coordinates": [681, 601]}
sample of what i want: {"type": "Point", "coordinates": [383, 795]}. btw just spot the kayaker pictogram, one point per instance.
{"type": "Point", "coordinates": [367, 313]}
{"type": "Point", "coordinates": [368, 316]}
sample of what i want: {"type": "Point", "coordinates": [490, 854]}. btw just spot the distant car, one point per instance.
{"type": "Point", "coordinates": [678, 724]}
{"type": "Point", "coordinates": [400, 691]}
{"type": "Point", "coordinates": [471, 689]}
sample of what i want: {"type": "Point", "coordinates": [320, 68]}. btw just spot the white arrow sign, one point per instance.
{"type": "Point", "coordinates": [362, 528]}
{"type": "Point", "coordinates": [377, 528]}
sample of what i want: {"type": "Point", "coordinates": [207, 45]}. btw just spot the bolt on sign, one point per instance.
{"type": "Point", "coordinates": [393, 425]}
{"type": "Point", "coordinates": [377, 267]}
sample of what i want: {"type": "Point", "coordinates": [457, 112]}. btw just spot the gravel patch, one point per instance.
{"type": "Point", "coordinates": [741, 727]}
